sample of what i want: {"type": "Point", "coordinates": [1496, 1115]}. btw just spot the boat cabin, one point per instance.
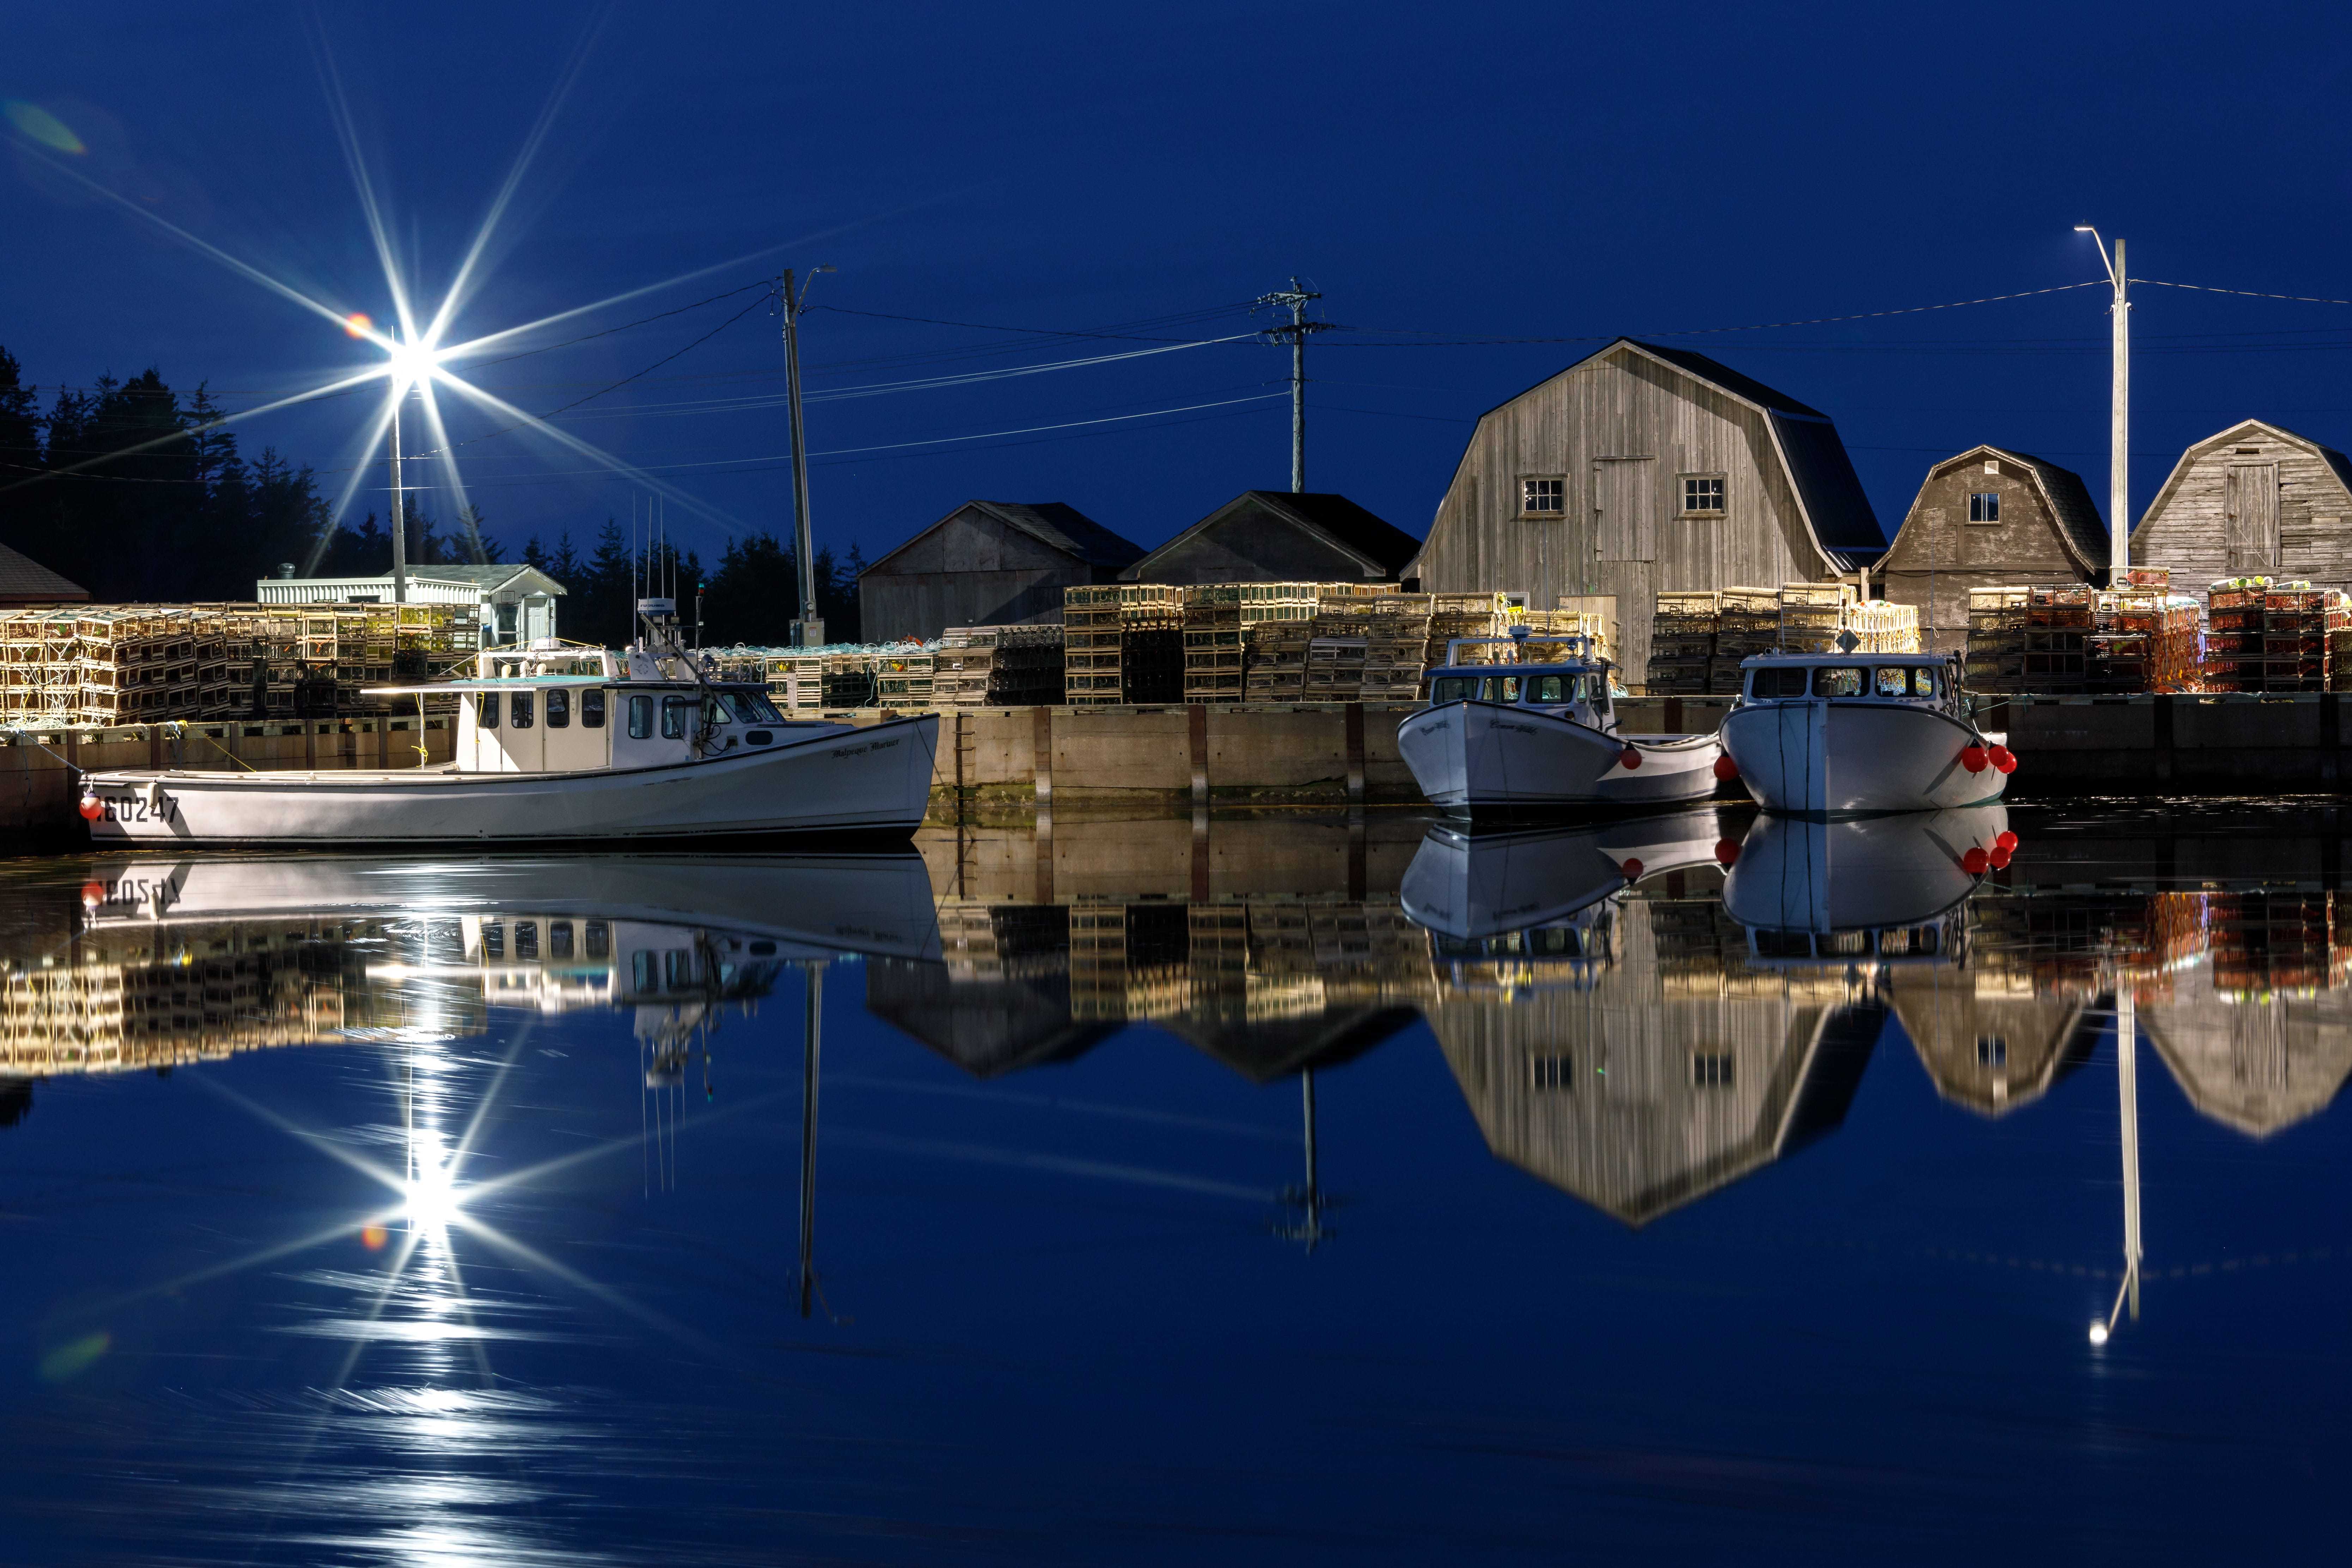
{"type": "Point", "coordinates": [1914, 679]}
{"type": "Point", "coordinates": [1576, 687]}
{"type": "Point", "coordinates": [588, 709]}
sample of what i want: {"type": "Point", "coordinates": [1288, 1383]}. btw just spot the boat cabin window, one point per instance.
{"type": "Point", "coordinates": [1776, 680]}
{"type": "Point", "coordinates": [1923, 682]}
{"type": "Point", "coordinates": [490, 710]}
{"type": "Point", "coordinates": [747, 708]}
{"type": "Point", "coordinates": [676, 714]}
{"type": "Point", "coordinates": [641, 717]}
{"type": "Point", "coordinates": [1893, 680]}
{"type": "Point", "coordinates": [1502, 688]}
{"type": "Point", "coordinates": [1453, 689]}
{"type": "Point", "coordinates": [1556, 688]}
{"type": "Point", "coordinates": [559, 710]}
{"type": "Point", "coordinates": [591, 709]}
{"type": "Point", "coordinates": [518, 710]}
{"type": "Point", "coordinates": [1837, 680]}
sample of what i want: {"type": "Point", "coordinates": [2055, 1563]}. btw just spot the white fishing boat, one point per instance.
{"type": "Point", "coordinates": [561, 745]}
{"type": "Point", "coordinates": [1846, 734]}
{"type": "Point", "coordinates": [1525, 736]}
{"type": "Point", "coordinates": [1473, 887]}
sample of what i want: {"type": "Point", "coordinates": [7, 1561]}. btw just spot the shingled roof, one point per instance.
{"type": "Point", "coordinates": [1066, 528]}
{"type": "Point", "coordinates": [23, 581]}
{"type": "Point", "coordinates": [2062, 489]}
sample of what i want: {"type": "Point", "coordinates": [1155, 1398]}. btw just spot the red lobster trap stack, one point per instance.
{"type": "Point", "coordinates": [2144, 637]}
{"type": "Point", "coordinates": [2264, 636]}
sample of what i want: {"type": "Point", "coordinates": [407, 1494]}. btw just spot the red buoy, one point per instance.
{"type": "Point", "coordinates": [1631, 869]}
{"type": "Point", "coordinates": [1629, 758]}
{"type": "Point", "coordinates": [1999, 859]}
{"type": "Point", "coordinates": [1974, 861]}
{"type": "Point", "coordinates": [2003, 758]}
{"type": "Point", "coordinates": [1973, 758]}
{"type": "Point", "coordinates": [93, 894]}
{"type": "Point", "coordinates": [2005, 839]}
{"type": "Point", "coordinates": [92, 808]}
{"type": "Point", "coordinates": [1726, 769]}
{"type": "Point", "coordinates": [1726, 852]}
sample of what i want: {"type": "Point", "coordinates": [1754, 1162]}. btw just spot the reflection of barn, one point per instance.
{"type": "Point", "coordinates": [1667, 1073]}
{"type": "Point", "coordinates": [2256, 1065]}
{"type": "Point", "coordinates": [1269, 988]}
{"type": "Point", "coordinates": [1990, 1040]}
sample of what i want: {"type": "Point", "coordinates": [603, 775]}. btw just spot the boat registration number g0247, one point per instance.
{"type": "Point", "coordinates": [134, 808]}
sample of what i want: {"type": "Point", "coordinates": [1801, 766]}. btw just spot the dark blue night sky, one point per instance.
{"type": "Point", "coordinates": [1499, 171]}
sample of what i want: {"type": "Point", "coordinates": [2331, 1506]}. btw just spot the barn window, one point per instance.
{"type": "Point", "coordinates": [1552, 1072]}
{"type": "Point", "coordinates": [1984, 506]}
{"type": "Point", "coordinates": [1543, 497]}
{"type": "Point", "coordinates": [1711, 1071]}
{"type": "Point", "coordinates": [1702, 495]}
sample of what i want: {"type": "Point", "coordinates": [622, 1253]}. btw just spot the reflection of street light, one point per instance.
{"type": "Point", "coordinates": [2098, 1332]}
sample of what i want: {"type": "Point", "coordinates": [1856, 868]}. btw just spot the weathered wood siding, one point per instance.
{"type": "Point", "coordinates": [2249, 502]}
{"type": "Point", "coordinates": [1938, 554]}
{"type": "Point", "coordinates": [1621, 431]}
{"type": "Point", "coordinates": [970, 571]}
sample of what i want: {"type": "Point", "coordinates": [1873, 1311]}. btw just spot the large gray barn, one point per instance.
{"type": "Point", "coordinates": [2254, 501]}
{"type": "Point", "coordinates": [1281, 536]}
{"type": "Point", "coordinates": [1986, 517]}
{"type": "Point", "coordinates": [1643, 468]}
{"type": "Point", "coordinates": [987, 563]}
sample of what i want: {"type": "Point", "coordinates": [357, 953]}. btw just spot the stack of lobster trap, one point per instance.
{"type": "Point", "coordinates": [998, 666]}
{"type": "Point", "coordinates": [2272, 636]}
{"type": "Point", "coordinates": [1336, 652]}
{"type": "Point", "coordinates": [1396, 645]}
{"type": "Point", "coordinates": [1090, 646]}
{"type": "Point", "coordinates": [1213, 643]}
{"type": "Point", "coordinates": [1683, 636]}
{"type": "Point", "coordinates": [156, 663]}
{"type": "Point", "coordinates": [2144, 637]}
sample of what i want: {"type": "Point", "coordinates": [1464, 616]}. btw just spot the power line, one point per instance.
{"type": "Point", "coordinates": [2249, 293]}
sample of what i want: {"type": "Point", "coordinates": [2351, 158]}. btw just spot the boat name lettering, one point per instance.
{"type": "Point", "coordinates": [134, 808]}
{"type": "Point", "coordinates": [861, 751]}
{"type": "Point", "coordinates": [140, 892]}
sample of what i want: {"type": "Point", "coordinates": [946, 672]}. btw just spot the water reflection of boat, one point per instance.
{"type": "Point", "coordinates": [172, 961]}
{"type": "Point", "coordinates": [1470, 887]}
{"type": "Point", "coordinates": [1852, 879]}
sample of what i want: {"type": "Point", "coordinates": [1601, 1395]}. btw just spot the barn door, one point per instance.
{"type": "Point", "coordinates": [2249, 506]}
{"type": "Point", "coordinates": [1625, 522]}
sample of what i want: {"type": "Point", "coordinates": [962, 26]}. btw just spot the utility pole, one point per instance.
{"type": "Point", "coordinates": [399, 510]}
{"type": "Point", "coordinates": [1295, 298]}
{"type": "Point", "coordinates": [2118, 412]}
{"type": "Point", "coordinates": [808, 631]}
{"type": "Point", "coordinates": [811, 1042]}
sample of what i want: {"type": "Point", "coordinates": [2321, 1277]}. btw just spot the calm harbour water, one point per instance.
{"type": "Point", "coordinates": [1265, 1190]}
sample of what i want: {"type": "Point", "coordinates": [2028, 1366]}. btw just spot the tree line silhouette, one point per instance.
{"type": "Point", "coordinates": [123, 488]}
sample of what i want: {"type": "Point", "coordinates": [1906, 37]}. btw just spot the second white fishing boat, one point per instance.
{"type": "Point", "coordinates": [1848, 734]}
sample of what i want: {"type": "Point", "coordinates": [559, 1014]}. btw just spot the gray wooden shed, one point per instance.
{"type": "Point", "coordinates": [1281, 536]}
{"type": "Point", "coordinates": [1645, 468]}
{"type": "Point", "coordinates": [987, 563]}
{"type": "Point", "coordinates": [2255, 501]}
{"type": "Point", "coordinates": [1986, 517]}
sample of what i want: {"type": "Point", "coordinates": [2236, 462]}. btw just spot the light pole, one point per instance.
{"type": "Point", "coordinates": [399, 509]}
{"type": "Point", "coordinates": [808, 631]}
{"type": "Point", "coordinates": [2119, 413]}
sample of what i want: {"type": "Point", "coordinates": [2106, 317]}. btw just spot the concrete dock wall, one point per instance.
{"type": "Point", "coordinates": [2235, 742]}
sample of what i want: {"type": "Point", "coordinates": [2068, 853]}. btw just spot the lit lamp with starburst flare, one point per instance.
{"type": "Point", "coordinates": [407, 365]}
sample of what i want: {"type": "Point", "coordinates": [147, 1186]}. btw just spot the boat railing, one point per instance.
{"type": "Point", "coordinates": [1578, 647]}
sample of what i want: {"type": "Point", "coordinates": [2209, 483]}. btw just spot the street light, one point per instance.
{"type": "Point", "coordinates": [2119, 413]}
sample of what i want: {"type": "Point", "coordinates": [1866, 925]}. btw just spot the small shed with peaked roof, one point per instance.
{"type": "Point", "coordinates": [1988, 517]}
{"type": "Point", "coordinates": [1643, 469]}
{"type": "Point", "coordinates": [2257, 500]}
{"type": "Point", "coordinates": [25, 581]}
{"type": "Point", "coordinates": [987, 563]}
{"type": "Point", "coordinates": [1281, 536]}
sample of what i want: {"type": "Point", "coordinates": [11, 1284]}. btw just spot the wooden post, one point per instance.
{"type": "Point", "coordinates": [1355, 728]}
{"type": "Point", "coordinates": [311, 744]}
{"type": "Point", "coordinates": [1041, 746]}
{"type": "Point", "coordinates": [1196, 726]}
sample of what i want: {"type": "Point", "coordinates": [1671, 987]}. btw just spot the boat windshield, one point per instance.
{"type": "Point", "coordinates": [1886, 680]}
{"type": "Point", "coordinates": [1545, 686]}
{"type": "Point", "coordinates": [741, 705]}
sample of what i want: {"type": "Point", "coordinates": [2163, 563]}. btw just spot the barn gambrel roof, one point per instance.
{"type": "Point", "coordinates": [2337, 464]}
{"type": "Point", "coordinates": [1051, 523]}
{"type": "Point", "coordinates": [1837, 512]}
{"type": "Point", "coordinates": [2082, 530]}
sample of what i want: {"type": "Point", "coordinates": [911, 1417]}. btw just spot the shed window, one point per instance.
{"type": "Point", "coordinates": [1543, 497]}
{"type": "Point", "coordinates": [641, 717]}
{"type": "Point", "coordinates": [591, 709]}
{"type": "Point", "coordinates": [559, 710]}
{"type": "Point", "coordinates": [1984, 506]}
{"type": "Point", "coordinates": [1702, 495]}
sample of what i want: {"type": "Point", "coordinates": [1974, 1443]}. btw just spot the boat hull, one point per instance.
{"type": "Point", "coordinates": [1815, 758]}
{"type": "Point", "coordinates": [1487, 758]}
{"type": "Point", "coordinates": [874, 781]}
